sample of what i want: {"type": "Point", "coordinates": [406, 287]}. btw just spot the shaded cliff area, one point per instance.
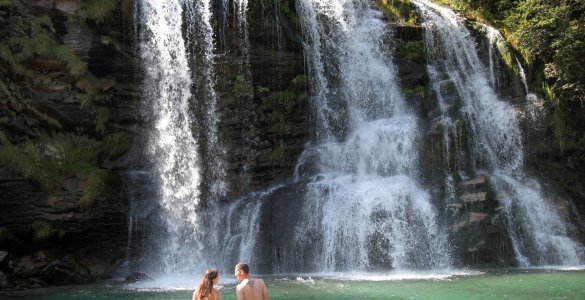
{"type": "Point", "coordinates": [72, 125]}
{"type": "Point", "coordinates": [68, 114]}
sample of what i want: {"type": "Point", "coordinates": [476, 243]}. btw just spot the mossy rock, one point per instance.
{"type": "Point", "coordinates": [399, 11]}
{"type": "Point", "coordinates": [411, 51]}
{"type": "Point", "coordinates": [54, 158]}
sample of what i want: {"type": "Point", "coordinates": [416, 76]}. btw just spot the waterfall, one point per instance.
{"type": "Point", "coordinates": [241, 12]}
{"type": "Point", "coordinates": [199, 32]}
{"type": "Point", "coordinates": [539, 234]}
{"type": "Point", "coordinates": [172, 146]}
{"type": "Point", "coordinates": [364, 208]}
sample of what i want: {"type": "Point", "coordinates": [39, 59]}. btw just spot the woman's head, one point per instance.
{"type": "Point", "coordinates": [211, 275]}
{"type": "Point", "coordinates": [205, 288]}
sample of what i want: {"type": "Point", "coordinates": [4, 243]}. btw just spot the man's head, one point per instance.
{"type": "Point", "coordinates": [242, 271]}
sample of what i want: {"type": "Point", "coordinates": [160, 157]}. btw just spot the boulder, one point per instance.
{"type": "Point", "coordinates": [67, 6]}
{"type": "Point", "coordinates": [4, 281]}
{"type": "Point", "coordinates": [61, 273]}
{"type": "Point", "coordinates": [135, 277]}
{"type": "Point", "coordinates": [39, 6]}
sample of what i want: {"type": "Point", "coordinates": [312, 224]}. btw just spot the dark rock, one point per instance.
{"type": "Point", "coordinates": [20, 8]}
{"type": "Point", "coordinates": [23, 267]}
{"type": "Point", "coordinates": [3, 259]}
{"type": "Point", "coordinates": [5, 283]}
{"type": "Point", "coordinates": [475, 197]}
{"type": "Point", "coordinates": [67, 6]}
{"type": "Point", "coordinates": [39, 6]}
{"type": "Point", "coordinates": [60, 273]}
{"type": "Point", "coordinates": [135, 277]}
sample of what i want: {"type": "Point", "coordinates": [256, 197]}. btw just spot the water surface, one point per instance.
{"type": "Point", "coordinates": [506, 284]}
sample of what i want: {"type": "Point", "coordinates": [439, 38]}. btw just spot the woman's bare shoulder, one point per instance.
{"type": "Point", "coordinates": [216, 294]}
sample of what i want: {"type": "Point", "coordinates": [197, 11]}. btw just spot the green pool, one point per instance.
{"type": "Point", "coordinates": [500, 284]}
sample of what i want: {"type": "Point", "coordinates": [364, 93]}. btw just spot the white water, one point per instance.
{"type": "Point", "coordinates": [242, 15]}
{"type": "Point", "coordinates": [538, 232]}
{"type": "Point", "coordinates": [172, 147]}
{"type": "Point", "coordinates": [364, 208]}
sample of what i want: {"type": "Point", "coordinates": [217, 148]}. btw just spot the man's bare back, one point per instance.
{"type": "Point", "coordinates": [252, 289]}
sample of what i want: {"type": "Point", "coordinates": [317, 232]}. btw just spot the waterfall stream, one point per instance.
{"type": "Point", "coordinates": [172, 146]}
{"type": "Point", "coordinates": [539, 234]}
{"type": "Point", "coordinates": [364, 208]}
{"type": "Point", "coordinates": [362, 201]}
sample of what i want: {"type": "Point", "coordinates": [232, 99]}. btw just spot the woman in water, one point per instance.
{"type": "Point", "coordinates": [205, 290]}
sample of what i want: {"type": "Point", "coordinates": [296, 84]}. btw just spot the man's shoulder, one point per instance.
{"type": "Point", "coordinates": [242, 284]}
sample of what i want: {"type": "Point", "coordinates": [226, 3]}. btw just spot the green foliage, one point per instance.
{"type": "Point", "coordinates": [29, 161]}
{"type": "Point", "coordinates": [98, 10]}
{"type": "Point", "coordinates": [43, 230]}
{"type": "Point", "coordinates": [399, 11]}
{"type": "Point", "coordinates": [278, 153]}
{"type": "Point", "coordinates": [41, 43]}
{"type": "Point", "coordinates": [287, 7]}
{"type": "Point", "coordinates": [53, 159]}
{"type": "Point", "coordinates": [550, 35]}
{"type": "Point", "coordinates": [300, 83]}
{"type": "Point", "coordinates": [116, 144]}
{"type": "Point", "coordinates": [243, 87]}
{"type": "Point", "coordinates": [275, 107]}
{"type": "Point", "coordinates": [70, 148]}
{"type": "Point", "coordinates": [93, 87]}
{"type": "Point", "coordinates": [553, 31]}
{"type": "Point", "coordinates": [5, 3]}
{"type": "Point", "coordinates": [260, 90]}
{"type": "Point", "coordinates": [95, 182]}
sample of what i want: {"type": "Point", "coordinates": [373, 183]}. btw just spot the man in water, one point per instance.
{"type": "Point", "coordinates": [249, 288]}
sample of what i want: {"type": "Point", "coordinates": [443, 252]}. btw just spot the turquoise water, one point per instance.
{"type": "Point", "coordinates": [529, 284]}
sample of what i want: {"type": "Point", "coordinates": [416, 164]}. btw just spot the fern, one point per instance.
{"type": "Point", "coordinates": [28, 162]}
{"type": "Point", "coordinates": [43, 230]}
{"type": "Point", "coordinates": [95, 182]}
{"type": "Point", "coordinates": [116, 144]}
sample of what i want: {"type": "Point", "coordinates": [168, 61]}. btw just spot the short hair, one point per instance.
{"type": "Point", "coordinates": [244, 267]}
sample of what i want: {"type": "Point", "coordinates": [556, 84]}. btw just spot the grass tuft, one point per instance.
{"type": "Point", "coordinates": [43, 230]}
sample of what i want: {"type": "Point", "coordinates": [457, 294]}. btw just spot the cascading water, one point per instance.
{"type": "Point", "coordinates": [200, 40]}
{"type": "Point", "coordinates": [178, 59]}
{"type": "Point", "coordinates": [538, 233]}
{"type": "Point", "coordinates": [172, 146]}
{"type": "Point", "coordinates": [364, 208]}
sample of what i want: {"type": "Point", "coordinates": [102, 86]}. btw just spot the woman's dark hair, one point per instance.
{"type": "Point", "coordinates": [206, 286]}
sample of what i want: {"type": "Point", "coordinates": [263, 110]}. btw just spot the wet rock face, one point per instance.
{"type": "Point", "coordinates": [255, 77]}
{"type": "Point", "coordinates": [40, 96]}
